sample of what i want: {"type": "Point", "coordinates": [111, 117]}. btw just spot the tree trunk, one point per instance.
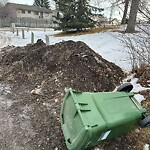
{"type": "Point", "coordinates": [111, 12]}
{"type": "Point", "coordinates": [125, 12]}
{"type": "Point", "coordinates": [132, 16]}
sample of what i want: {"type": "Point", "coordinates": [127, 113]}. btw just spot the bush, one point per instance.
{"type": "Point", "coordinates": [138, 46]}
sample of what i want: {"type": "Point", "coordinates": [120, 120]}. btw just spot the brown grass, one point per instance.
{"type": "Point", "coordinates": [123, 31]}
{"type": "Point", "coordinates": [119, 31]}
{"type": "Point", "coordinates": [89, 31]}
{"type": "Point", "coordinates": [92, 31]}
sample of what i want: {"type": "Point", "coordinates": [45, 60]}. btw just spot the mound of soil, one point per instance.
{"type": "Point", "coordinates": [72, 64]}
{"type": "Point", "coordinates": [39, 76]}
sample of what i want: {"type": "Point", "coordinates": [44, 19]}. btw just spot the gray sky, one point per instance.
{"type": "Point", "coordinates": [29, 2]}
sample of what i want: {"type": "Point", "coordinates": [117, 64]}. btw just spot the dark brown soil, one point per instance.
{"type": "Point", "coordinates": [71, 64]}
{"type": "Point", "coordinates": [143, 73]}
{"type": "Point", "coordinates": [39, 76]}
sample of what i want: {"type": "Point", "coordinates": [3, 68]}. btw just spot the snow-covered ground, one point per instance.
{"type": "Point", "coordinates": [107, 44]}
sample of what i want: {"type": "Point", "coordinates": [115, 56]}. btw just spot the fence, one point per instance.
{"type": "Point", "coordinates": [27, 22]}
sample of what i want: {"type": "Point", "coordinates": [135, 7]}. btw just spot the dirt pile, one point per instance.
{"type": "Point", "coordinates": [39, 75]}
{"type": "Point", "coordinates": [70, 64]}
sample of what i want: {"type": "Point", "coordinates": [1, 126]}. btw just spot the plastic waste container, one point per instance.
{"type": "Point", "coordinates": [88, 119]}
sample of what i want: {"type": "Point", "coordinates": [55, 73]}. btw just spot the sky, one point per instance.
{"type": "Point", "coordinates": [29, 2]}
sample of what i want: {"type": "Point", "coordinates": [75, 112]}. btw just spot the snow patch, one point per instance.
{"type": "Point", "coordinates": [139, 97]}
{"type": "Point", "coordinates": [146, 147]}
{"type": "Point", "coordinates": [136, 86]}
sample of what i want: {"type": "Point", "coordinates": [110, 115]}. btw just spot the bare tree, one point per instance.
{"type": "Point", "coordinates": [113, 4]}
{"type": "Point", "coordinates": [9, 11]}
{"type": "Point", "coordinates": [138, 46]}
{"type": "Point", "coordinates": [133, 16]}
{"type": "Point", "coordinates": [111, 11]}
{"type": "Point", "coordinates": [98, 3]}
{"type": "Point", "coordinates": [3, 2]}
{"type": "Point", "coordinates": [144, 10]}
{"type": "Point", "coordinates": [125, 12]}
{"type": "Point", "coordinates": [2, 9]}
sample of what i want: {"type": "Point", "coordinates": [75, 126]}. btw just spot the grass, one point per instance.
{"type": "Point", "coordinates": [89, 31]}
{"type": "Point", "coordinates": [123, 31]}
{"type": "Point", "coordinates": [92, 31]}
{"type": "Point", "coordinates": [119, 31]}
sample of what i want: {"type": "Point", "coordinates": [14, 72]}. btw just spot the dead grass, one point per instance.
{"type": "Point", "coordinates": [123, 31]}
{"type": "Point", "coordinates": [89, 31]}
{"type": "Point", "coordinates": [92, 31]}
{"type": "Point", "coordinates": [119, 31]}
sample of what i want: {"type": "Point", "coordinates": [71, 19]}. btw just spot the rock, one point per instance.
{"type": "Point", "coordinates": [56, 100]}
{"type": "Point", "coordinates": [37, 91]}
{"type": "Point", "coordinates": [137, 131]}
{"type": "Point", "coordinates": [56, 148]}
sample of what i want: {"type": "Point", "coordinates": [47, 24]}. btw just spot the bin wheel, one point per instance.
{"type": "Point", "coordinates": [145, 122]}
{"type": "Point", "coordinates": [126, 87]}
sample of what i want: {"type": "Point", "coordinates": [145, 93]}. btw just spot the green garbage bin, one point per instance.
{"type": "Point", "coordinates": [88, 119]}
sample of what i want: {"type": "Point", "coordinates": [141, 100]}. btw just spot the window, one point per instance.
{"type": "Point", "coordinates": [19, 11]}
{"type": "Point", "coordinates": [41, 14]}
{"type": "Point", "coordinates": [29, 11]}
{"type": "Point", "coordinates": [36, 13]}
{"type": "Point", "coordinates": [23, 11]}
{"type": "Point", "coordinates": [46, 14]}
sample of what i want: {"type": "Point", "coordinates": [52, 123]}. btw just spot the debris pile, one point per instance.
{"type": "Point", "coordinates": [39, 76]}
{"type": "Point", "coordinates": [67, 64]}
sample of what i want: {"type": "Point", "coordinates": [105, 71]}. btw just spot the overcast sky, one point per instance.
{"type": "Point", "coordinates": [29, 2]}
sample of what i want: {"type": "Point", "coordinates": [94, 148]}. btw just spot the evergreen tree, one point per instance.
{"type": "Point", "coordinates": [75, 15]}
{"type": "Point", "coordinates": [42, 3]}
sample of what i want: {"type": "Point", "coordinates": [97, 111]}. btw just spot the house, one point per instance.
{"type": "Point", "coordinates": [27, 16]}
{"type": "Point", "coordinates": [28, 11]}
{"type": "Point", "coordinates": [96, 14]}
{"type": "Point", "coordinates": [115, 22]}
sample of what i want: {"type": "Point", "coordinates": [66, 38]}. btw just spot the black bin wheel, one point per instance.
{"type": "Point", "coordinates": [145, 122]}
{"type": "Point", "coordinates": [126, 87]}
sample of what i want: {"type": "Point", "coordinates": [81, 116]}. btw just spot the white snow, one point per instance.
{"type": "Point", "coordinates": [146, 147]}
{"type": "Point", "coordinates": [139, 97]}
{"type": "Point", "coordinates": [136, 87]}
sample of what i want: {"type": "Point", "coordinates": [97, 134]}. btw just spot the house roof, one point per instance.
{"type": "Point", "coordinates": [30, 7]}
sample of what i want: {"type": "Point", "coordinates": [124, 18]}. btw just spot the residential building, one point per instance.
{"type": "Point", "coordinates": [28, 11]}
{"type": "Point", "coordinates": [27, 16]}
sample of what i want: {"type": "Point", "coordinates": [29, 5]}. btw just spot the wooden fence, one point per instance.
{"type": "Point", "coordinates": [27, 22]}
